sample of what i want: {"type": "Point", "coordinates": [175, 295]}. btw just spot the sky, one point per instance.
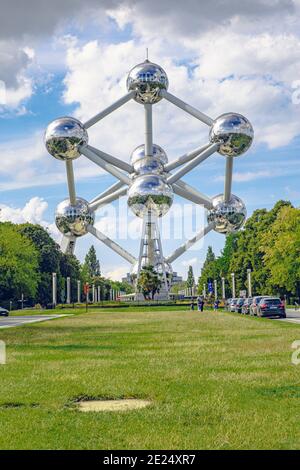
{"type": "Point", "coordinates": [71, 57]}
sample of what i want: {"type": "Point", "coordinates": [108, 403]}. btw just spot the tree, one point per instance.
{"type": "Point", "coordinates": [19, 262]}
{"type": "Point", "coordinates": [190, 278]}
{"type": "Point", "coordinates": [281, 246]}
{"type": "Point", "coordinates": [149, 282]}
{"type": "Point", "coordinates": [91, 266]}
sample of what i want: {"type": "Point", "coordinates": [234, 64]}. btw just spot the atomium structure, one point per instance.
{"type": "Point", "coordinates": [149, 180]}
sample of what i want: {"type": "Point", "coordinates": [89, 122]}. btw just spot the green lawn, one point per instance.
{"type": "Point", "coordinates": [216, 380]}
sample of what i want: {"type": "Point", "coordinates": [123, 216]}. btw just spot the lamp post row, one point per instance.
{"type": "Point", "coordinates": [233, 287]}
{"type": "Point", "coordinates": [96, 291]}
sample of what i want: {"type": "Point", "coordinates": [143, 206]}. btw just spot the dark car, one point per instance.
{"type": "Point", "coordinates": [3, 312]}
{"type": "Point", "coordinates": [246, 306]}
{"type": "Point", "coordinates": [271, 307]}
{"type": "Point", "coordinates": [239, 305]}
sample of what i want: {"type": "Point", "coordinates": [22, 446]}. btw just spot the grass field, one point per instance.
{"type": "Point", "coordinates": [216, 381]}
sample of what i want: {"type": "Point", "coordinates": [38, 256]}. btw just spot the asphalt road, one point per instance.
{"type": "Point", "coordinates": [9, 322]}
{"type": "Point", "coordinates": [292, 316]}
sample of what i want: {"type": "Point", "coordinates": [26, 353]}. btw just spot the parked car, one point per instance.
{"type": "Point", "coordinates": [246, 306]}
{"type": "Point", "coordinates": [227, 304]}
{"type": "Point", "coordinates": [239, 305]}
{"type": "Point", "coordinates": [255, 302]}
{"type": "Point", "coordinates": [232, 305]}
{"type": "Point", "coordinates": [271, 307]}
{"type": "Point", "coordinates": [3, 312]}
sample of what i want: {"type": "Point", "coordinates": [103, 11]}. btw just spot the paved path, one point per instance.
{"type": "Point", "coordinates": [9, 322]}
{"type": "Point", "coordinates": [292, 316]}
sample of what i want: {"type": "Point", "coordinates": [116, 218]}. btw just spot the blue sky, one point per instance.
{"type": "Point", "coordinates": [248, 63]}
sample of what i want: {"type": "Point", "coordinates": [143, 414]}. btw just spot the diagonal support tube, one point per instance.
{"type": "Point", "coordinates": [187, 108]}
{"type": "Point", "coordinates": [183, 248]}
{"type": "Point", "coordinates": [114, 187]}
{"type": "Point", "coordinates": [228, 179]}
{"type": "Point", "coordinates": [71, 182]}
{"type": "Point", "coordinates": [112, 160]}
{"type": "Point", "coordinates": [107, 199]}
{"type": "Point", "coordinates": [184, 190]}
{"type": "Point", "coordinates": [87, 151]}
{"type": "Point", "coordinates": [111, 244]}
{"type": "Point", "coordinates": [185, 158]}
{"type": "Point", "coordinates": [192, 164]}
{"type": "Point", "coordinates": [110, 109]}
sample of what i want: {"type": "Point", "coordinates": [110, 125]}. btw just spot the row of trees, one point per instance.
{"type": "Point", "coordinates": [29, 256]}
{"type": "Point", "coordinates": [269, 245]}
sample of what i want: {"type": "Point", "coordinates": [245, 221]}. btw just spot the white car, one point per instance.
{"type": "Point", "coordinates": [3, 312]}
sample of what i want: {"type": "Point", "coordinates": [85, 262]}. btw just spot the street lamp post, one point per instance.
{"type": "Point", "coordinates": [78, 291]}
{"type": "Point", "coordinates": [54, 289]}
{"type": "Point", "coordinates": [233, 285]}
{"type": "Point", "coordinates": [249, 282]}
{"type": "Point", "coordinates": [216, 289]}
{"type": "Point", "coordinates": [223, 288]}
{"type": "Point", "coordinates": [68, 290]}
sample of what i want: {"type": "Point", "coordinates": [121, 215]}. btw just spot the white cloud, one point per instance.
{"type": "Point", "coordinates": [116, 273]}
{"type": "Point", "coordinates": [190, 262]}
{"type": "Point", "coordinates": [32, 212]}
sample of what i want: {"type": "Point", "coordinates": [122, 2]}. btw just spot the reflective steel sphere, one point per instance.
{"type": "Point", "coordinates": [227, 217]}
{"type": "Point", "coordinates": [73, 220]}
{"type": "Point", "coordinates": [147, 79]}
{"type": "Point", "coordinates": [150, 193]}
{"type": "Point", "coordinates": [157, 151]}
{"type": "Point", "coordinates": [148, 166]}
{"type": "Point", "coordinates": [233, 132]}
{"type": "Point", "coordinates": [63, 138]}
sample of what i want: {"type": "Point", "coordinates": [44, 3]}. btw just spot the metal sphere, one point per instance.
{"type": "Point", "coordinates": [148, 166]}
{"type": "Point", "coordinates": [229, 216]}
{"type": "Point", "coordinates": [150, 193]}
{"type": "Point", "coordinates": [233, 132]}
{"type": "Point", "coordinates": [147, 79]}
{"type": "Point", "coordinates": [72, 220]}
{"type": "Point", "coordinates": [157, 152]}
{"type": "Point", "coordinates": [63, 138]}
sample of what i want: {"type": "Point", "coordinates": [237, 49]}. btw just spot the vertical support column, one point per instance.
{"type": "Point", "coordinates": [216, 289]}
{"type": "Point", "coordinates": [228, 179]}
{"type": "Point", "coordinates": [93, 293]}
{"type": "Point", "coordinates": [68, 290]}
{"type": "Point", "coordinates": [148, 131]}
{"type": "Point", "coordinates": [71, 182]}
{"type": "Point", "coordinates": [233, 285]}
{"type": "Point", "coordinates": [249, 282]}
{"type": "Point", "coordinates": [204, 290]}
{"type": "Point", "coordinates": [54, 289]}
{"type": "Point", "coordinates": [99, 293]}
{"type": "Point", "coordinates": [223, 289]}
{"type": "Point", "coordinates": [78, 292]}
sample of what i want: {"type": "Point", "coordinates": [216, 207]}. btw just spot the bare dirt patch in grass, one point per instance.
{"type": "Point", "coordinates": [113, 405]}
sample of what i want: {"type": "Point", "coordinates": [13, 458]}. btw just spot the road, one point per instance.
{"type": "Point", "coordinates": [292, 316]}
{"type": "Point", "coordinates": [9, 322]}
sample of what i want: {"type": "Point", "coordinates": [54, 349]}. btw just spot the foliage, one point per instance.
{"type": "Point", "coordinates": [268, 245]}
{"type": "Point", "coordinates": [91, 266]}
{"type": "Point", "coordinates": [19, 262]}
{"type": "Point", "coordinates": [51, 259]}
{"type": "Point", "coordinates": [190, 278]}
{"type": "Point", "coordinates": [281, 246]}
{"type": "Point", "coordinates": [149, 282]}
